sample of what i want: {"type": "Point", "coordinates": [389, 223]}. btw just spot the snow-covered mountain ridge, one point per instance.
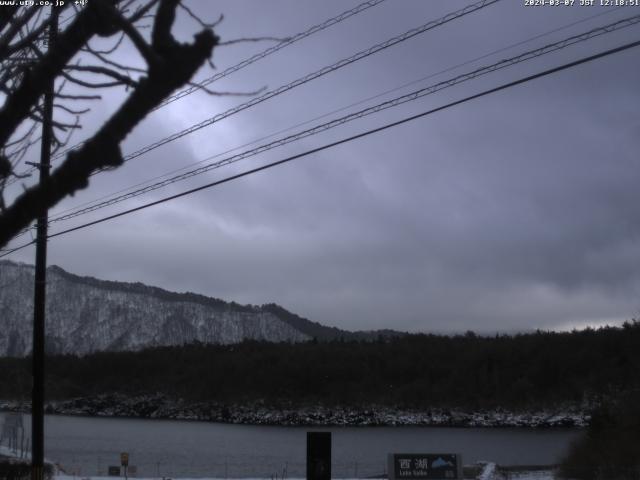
{"type": "Point", "coordinates": [86, 315]}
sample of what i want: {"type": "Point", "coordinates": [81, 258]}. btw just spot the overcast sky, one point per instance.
{"type": "Point", "coordinates": [511, 212]}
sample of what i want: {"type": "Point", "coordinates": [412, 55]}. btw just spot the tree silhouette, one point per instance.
{"type": "Point", "coordinates": [28, 67]}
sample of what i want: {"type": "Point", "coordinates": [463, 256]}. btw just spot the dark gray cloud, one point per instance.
{"type": "Point", "coordinates": [512, 212]}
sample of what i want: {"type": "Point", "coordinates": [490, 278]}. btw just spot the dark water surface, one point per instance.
{"type": "Point", "coordinates": [87, 446]}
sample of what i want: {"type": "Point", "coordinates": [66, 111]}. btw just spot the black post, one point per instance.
{"type": "Point", "coordinates": [37, 393]}
{"type": "Point", "coordinates": [318, 455]}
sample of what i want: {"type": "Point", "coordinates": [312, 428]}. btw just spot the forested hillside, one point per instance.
{"type": "Point", "coordinates": [422, 371]}
{"type": "Point", "coordinates": [86, 315]}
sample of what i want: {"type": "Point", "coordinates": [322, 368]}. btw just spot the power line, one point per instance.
{"type": "Point", "coordinates": [312, 76]}
{"type": "Point", "coordinates": [258, 56]}
{"type": "Point", "coordinates": [360, 102]}
{"type": "Point", "coordinates": [239, 66]}
{"type": "Point", "coordinates": [9, 251]}
{"type": "Point", "coordinates": [348, 139]}
{"type": "Point", "coordinates": [309, 77]}
{"type": "Point", "coordinates": [529, 55]}
{"type": "Point", "coordinates": [336, 122]}
{"type": "Point", "coordinates": [411, 96]}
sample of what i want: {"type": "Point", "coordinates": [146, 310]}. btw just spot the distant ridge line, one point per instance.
{"type": "Point", "coordinates": [315, 330]}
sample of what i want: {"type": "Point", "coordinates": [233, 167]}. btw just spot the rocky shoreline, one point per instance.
{"type": "Point", "coordinates": [161, 407]}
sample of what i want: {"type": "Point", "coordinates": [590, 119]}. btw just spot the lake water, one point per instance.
{"type": "Point", "coordinates": [87, 446]}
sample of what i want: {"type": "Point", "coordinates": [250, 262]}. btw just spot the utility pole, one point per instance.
{"type": "Point", "coordinates": [37, 392]}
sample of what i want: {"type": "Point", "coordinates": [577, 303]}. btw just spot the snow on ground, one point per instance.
{"type": "Point", "coordinates": [487, 474]}
{"type": "Point", "coordinates": [488, 471]}
{"type": "Point", "coordinates": [9, 452]}
{"type": "Point", "coordinates": [68, 477]}
{"type": "Point", "coordinates": [540, 475]}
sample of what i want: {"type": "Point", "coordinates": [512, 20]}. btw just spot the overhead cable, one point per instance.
{"type": "Point", "coordinates": [311, 76]}
{"type": "Point", "coordinates": [273, 49]}
{"type": "Point", "coordinates": [529, 55]}
{"type": "Point", "coordinates": [341, 109]}
{"type": "Point", "coordinates": [344, 140]}
{"type": "Point", "coordinates": [244, 63]}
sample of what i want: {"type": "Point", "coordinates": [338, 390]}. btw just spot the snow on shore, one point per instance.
{"type": "Point", "coordinates": [161, 407]}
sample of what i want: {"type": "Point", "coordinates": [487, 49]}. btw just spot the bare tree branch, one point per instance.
{"type": "Point", "coordinates": [161, 38]}
{"type": "Point", "coordinates": [199, 20]}
{"type": "Point", "coordinates": [16, 26]}
{"type": "Point", "coordinates": [109, 51]}
{"type": "Point", "coordinates": [215, 93]}
{"type": "Point", "coordinates": [173, 65]}
{"type": "Point", "coordinates": [6, 15]}
{"type": "Point", "coordinates": [103, 58]}
{"type": "Point", "coordinates": [252, 39]}
{"type": "Point", "coordinates": [22, 138]}
{"type": "Point", "coordinates": [78, 97]}
{"type": "Point", "coordinates": [34, 81]}
{"type": "Point", "coordinates": [95, 85]}
{"type": "Point", "coordinates": [121, 79]}
{"type": "Point", "coordinates": [140, 43]}
{"type": "Point", "coordinates": [70, 110]}
{"type": "Point", "coordinates": [142, 11]}
{"type": "Point", "coordinates": [63, 143]}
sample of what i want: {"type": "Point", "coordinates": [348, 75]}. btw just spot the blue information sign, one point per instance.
{"type": "Point", "coordinates": [425, 466]}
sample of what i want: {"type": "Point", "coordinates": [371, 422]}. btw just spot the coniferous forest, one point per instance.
{"type": "Point", "coordinates": [413, 371]}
